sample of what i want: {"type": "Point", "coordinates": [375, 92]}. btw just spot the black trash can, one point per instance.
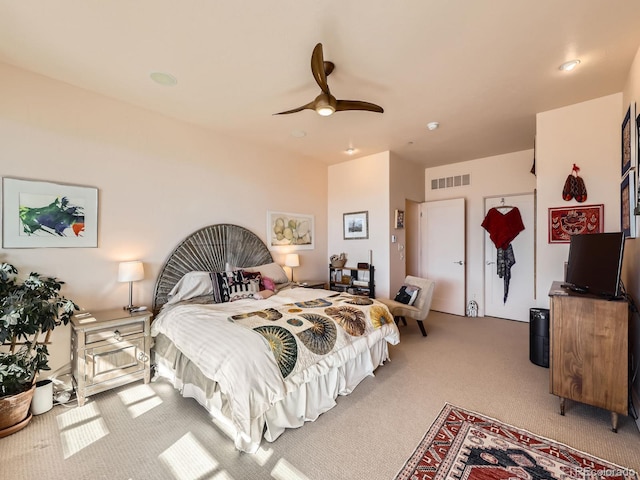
{"type": "Point", "coordinates": [539, 336]}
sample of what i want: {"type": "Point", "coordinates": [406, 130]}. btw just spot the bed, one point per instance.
{"type": "Point", "coordinates": [259, 362]}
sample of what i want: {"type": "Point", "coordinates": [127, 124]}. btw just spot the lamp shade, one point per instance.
{"type": "Point", "coordinates": [292, 260]}
{"type": "Point", "coordinates": [130, 271]}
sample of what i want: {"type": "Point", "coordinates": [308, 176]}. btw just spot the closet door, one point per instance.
{"type": "Point", "coordinates": [522, 285]}
{"type": "Point", "coordinates": [442, 253]}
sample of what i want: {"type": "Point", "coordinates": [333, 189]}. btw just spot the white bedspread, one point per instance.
{"type": "Point", "coordinates": [241, 361]}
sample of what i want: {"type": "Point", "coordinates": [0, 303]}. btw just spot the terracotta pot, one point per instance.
{"type": "Point", "coordinates": [14, 410]}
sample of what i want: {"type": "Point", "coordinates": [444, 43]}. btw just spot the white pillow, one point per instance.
{"type": "Point", "coordinates": [192, 284]}
{"type": "Point", "coordinates": [271, 270]}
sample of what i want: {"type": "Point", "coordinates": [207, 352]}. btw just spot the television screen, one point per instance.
{"type": "Point", "coordinates": [595, 262]}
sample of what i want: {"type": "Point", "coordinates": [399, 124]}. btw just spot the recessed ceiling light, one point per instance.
{"type": "Point", "coordinates": [570, 65]}
{"type": "Point", "coordinates": [433, 125]}
{"type": "Point", "coordinates": [298, 133]}
{"type": "Point", "coordinates": [350, 151]}
{"type": "Point", "coordinates": [164, 79]}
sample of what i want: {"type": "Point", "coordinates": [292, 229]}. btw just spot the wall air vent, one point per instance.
{"type": "Point", "coordinates": [448, 182]}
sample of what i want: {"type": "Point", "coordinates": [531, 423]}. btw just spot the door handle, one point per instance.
{"type": "Point", "coordinates": [459, 262]}
{"type": "Point", "coordinates": [490, 263]}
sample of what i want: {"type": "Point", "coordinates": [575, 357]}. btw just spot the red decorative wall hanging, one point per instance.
{"type": "Point", "coordinates": [564, 222]}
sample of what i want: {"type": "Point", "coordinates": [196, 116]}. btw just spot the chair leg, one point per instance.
{"type": "Point", "coordinates": [421, 325]}
{"type": "Point", "coordinates": [399, 319]}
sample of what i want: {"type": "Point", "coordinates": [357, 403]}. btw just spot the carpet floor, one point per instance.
{"type": "Point", "coordinates": [142, 432]}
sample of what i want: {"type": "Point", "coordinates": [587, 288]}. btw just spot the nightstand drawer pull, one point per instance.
{"type": "Point", "coordinates": [117, 336]}
{"type": "Point", "coordinates": [143, 357]}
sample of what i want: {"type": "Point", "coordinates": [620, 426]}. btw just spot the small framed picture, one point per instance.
{"type": "Point", "coordinates": [38, 214]}
{"type": "Point", "coordinates": [399, 218]}
{"type": "Point", "coordinates": [356, 225]}
{"type": "Point", "coordinates": [626, 143]}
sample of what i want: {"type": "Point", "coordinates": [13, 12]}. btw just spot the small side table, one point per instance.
{"type": "Point", "coordinates": [109, 348]}
{"type": "Point", "coordinates": [312, 284]}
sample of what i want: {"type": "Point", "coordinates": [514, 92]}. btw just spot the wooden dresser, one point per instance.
{"type": "Point", "coordinates": [588, 357]}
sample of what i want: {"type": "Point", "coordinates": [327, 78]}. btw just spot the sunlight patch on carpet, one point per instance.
{"type": "Point", "coordinates": [285, 471]}
{"type": "Point", "coordinates": [139, 399]}
{"type": "Point", "coordinates": [465, 444]}
{"type": "Point", "coordinates": [80, 427]}
{"type": "Point", "coordinates": [187, 459]}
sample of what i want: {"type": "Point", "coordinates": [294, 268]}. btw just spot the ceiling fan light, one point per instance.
{"type": "Point", "coordinates": [325, 110]}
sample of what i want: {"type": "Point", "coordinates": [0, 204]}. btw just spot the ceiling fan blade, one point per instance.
{"type": "Point", "coordinates": [317, 68]}
{"type": "Point", "coordinates": [310, 105]}
{"type": "Point", "coordinates": [342, 105]}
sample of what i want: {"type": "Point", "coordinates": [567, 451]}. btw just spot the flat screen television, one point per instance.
{"type": "Point", "coordinates": [595, 262]}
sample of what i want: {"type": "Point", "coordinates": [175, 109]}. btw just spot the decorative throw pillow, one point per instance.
{"type": "Point", "coordinates": [268, 284]}
{"type": "Point", "coordinates": [254, 276]}
{"type": "Point", "coordinates": [247, 289]}
{"type": "Point", "coordinates": [231, 286]}
{"type": "Point", "coordinates": [407, 294]}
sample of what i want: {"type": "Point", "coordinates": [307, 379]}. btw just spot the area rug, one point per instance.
{"type": "Point", "coordinates": [465, 445]}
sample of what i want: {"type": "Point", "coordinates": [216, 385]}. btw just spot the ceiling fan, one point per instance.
{"type": "Point", "coordinates": [326, 104]}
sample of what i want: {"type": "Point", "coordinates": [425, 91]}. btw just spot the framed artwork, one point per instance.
{"type": "Point", "coordinates": [399, 218]}
{"type": "Point", "coordinates": [627, 205]}
{"type": "Point", "coordinates": [43, 214]}
{"type": "Point", "coordinates": [356, 225]}
{"type": "Point", "coordinates": [567, 221]}
{"type": "Point", "coordinates": [290, 231]}
{"type": "Point", "coordinates": [626, 142]}
{"type": "Point", "coordinates": [637, 148]}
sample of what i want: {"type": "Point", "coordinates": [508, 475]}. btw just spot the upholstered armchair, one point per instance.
{"type": "Point", "coordinates": [421, 306]}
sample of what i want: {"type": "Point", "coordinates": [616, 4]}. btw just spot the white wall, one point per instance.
{"type": "Point", "coordinates": [490, 176]}
{"type": "Point", "coordinates": [158, 180]}
{"type": "Point", "coordinates": [406, 184]}
{"type": "Point", "coordinates": [361, 185]}
{"type": "Point", "coordinates": [587, 134]}
{"type": "Point", "coordinates": [631, 95]}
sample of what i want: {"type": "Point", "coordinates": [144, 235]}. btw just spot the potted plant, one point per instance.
{"type": "Point", "coordinates": [28, 309]}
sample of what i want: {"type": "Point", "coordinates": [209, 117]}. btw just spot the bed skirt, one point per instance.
{"type": "Point", "coordinates": [302, 405]}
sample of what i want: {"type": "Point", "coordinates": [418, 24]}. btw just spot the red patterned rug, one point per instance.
{"type": "Point", "coordinates": [464, 445]}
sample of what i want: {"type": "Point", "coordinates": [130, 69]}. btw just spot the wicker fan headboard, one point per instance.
{"type": "Point", "coordinates": [209, 250]}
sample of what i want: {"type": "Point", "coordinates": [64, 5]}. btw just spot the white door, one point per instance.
{"type": "Point", "coordinates": [521, 295]}
{"type": "Point", "coordinates": [442, 253]}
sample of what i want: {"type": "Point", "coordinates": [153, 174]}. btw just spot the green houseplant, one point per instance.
{"type": "Point", "coordinates": [29, 309]}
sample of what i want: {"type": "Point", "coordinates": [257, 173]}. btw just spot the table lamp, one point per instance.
{"type": "Point", "coordinates": [292, 260]}
{"type": "Point", "coordinates": [130, 272]}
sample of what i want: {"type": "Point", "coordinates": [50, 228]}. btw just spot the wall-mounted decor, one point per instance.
{"type": "Point", "coordinates": [637, 150]}
{"type": "Point", "coordinates": [567, 221]}
{"type": "Point", "coordinates": [626, 142]}
{"type": "Point", "coordinates": [627, 205]}
{"type": "Point", "coordinates": [399, 218]}
{"type": "Point", "coordinates": [290, 231]}
{"type": "Point", "coordinates": [356, 225]}
{"type": "Point", "coordinates": [44, 214]}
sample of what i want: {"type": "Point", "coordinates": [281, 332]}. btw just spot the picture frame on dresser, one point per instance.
{"type": "Point", "coordinates": [47, 214]}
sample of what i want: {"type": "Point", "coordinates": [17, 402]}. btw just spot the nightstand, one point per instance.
{"type": "Point", "coordinates": [108, 349]}
{"type": "Point", "coordinates": [312, 284]}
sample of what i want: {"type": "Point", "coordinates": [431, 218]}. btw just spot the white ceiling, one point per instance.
{"type": "Point", "coordinates": [482, 68]}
